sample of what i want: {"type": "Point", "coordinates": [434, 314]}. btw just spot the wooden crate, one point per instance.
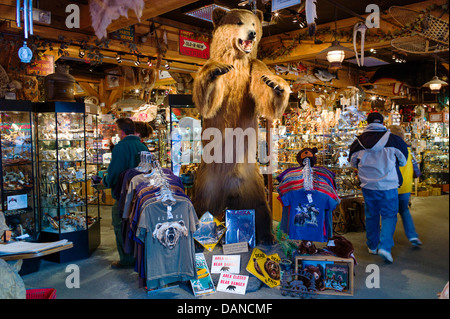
{"type": "Point", "coordinates": [349, 262]}
{"type": "Point", "coordinates": [423, 193]}
{"type": "Point", "coordinates": [436, 191]}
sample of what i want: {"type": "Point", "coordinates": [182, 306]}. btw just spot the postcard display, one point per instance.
{"type": "Point", "coordinates": [17, 167]}
{"type": "Point", "coordinates": [62, 174]}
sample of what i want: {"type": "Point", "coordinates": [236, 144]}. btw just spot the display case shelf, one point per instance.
{"type": "Point", "coordinates": [17, 169]}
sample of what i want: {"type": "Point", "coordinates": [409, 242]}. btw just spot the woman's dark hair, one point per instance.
{"type": "Point", "coordinates": [126, 125]}
{"type": "Point", "coordinates": [144, 129]}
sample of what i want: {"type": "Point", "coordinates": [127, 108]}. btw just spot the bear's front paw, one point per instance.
{"type": "Point", "coordinates": [277, 89]}
{"type": "Point", "coordinates": [221, 70]}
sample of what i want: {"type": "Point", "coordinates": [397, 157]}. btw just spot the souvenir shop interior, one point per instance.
{"type": "Point", "coordinates": [69, 70]}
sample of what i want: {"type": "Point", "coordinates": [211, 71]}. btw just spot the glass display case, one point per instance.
{"type": "Point", "coordinates": [94, 164]}
{"type": "Point", "coordinates": [17, 169]}
{"type": "Point", "coordinates": [185, 132]}
{"type": "Point", "coordinates": [62, 177]}
{"type": "Point", "coordinates": [434, 159]}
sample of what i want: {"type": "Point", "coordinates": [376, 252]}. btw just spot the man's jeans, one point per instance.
{"type": "Point", "coordinates": [125, 258]}
{"type": "Point", "coordinates": [384, 204]}
{"type": "Point", "coordinates": [408, 223]}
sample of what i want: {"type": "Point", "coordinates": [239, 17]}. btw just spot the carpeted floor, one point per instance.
{"type": "Point", "coordinates": [417, 273]}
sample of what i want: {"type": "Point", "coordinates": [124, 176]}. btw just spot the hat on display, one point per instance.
{"type": "Point", "coordinates": [307, 152]}
{"type": "Point", "coordinates": [375, 117]}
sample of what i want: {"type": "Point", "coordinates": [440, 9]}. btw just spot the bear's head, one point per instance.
{"type": "Point", "coordinates": [169, 233]}
{"type": "Point", "coordinates": [236, 32]}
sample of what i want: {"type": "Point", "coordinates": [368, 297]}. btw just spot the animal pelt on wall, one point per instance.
{"type": "Point", "coordinates": [103, 12]}
{"type": "Point", "coordinates": [230, 91]}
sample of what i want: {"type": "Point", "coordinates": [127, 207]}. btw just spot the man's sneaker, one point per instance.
{"type": "Point", "coordinates": [372, 251]}
{"type": "Point", "coordinates": [385, 255]}
{"type": "Point", "coordinates": [415, 242]}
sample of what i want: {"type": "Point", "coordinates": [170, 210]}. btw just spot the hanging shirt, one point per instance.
{"type": "Point", "coordinates": [307, 214]}
{"type": "Point", "coordinates": [169, 242]}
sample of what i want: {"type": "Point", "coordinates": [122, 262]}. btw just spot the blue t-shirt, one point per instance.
{"type": "Point", "coordinates": [307, 214]}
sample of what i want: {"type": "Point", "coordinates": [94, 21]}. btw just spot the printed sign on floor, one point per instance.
{"type": "Point", "coordinates": [235, 284]}
{"type": "Point", "coordinates": [226, 264]}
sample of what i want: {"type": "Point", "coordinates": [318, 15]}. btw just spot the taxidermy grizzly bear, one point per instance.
{"type": "Point", "coordinates": [230, 91]}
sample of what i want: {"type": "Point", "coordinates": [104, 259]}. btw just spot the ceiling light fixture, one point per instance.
{"type": "Point", "coordinates": [137, 62]}
{"type": "Point", "coordinates": [81, 53]}
{"type": "Point", "coordinates": [118, 58]}
{"type": "Point", "coordinates": [336, 53]}
{"type": "Point", "coordinates": [435, 84]}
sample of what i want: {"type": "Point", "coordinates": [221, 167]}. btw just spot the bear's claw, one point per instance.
{"type": "Point", "coordinates": [221, 71]}
{"type": "Point", "coordinates": [278, 90]}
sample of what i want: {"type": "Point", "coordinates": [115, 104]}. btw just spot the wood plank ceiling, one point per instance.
{"type": "Point", "coordinates": [167, 18]}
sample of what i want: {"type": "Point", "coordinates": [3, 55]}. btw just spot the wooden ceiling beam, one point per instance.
{"type": "Point", "coordinates": [307, 49]}
{"type": "Point", "coordinates": [145, 49]}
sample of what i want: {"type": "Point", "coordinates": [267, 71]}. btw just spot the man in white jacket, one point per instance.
{"type": "Point", "coordinates": [378, 154]}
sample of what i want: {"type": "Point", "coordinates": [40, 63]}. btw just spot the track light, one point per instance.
{"type": "Point", "coordinates": [167, 66]}
{"type": "Point", "coordinates": [150, 63]}
{"type": "Point", "coordinates": [81, 53]}
{"type": "Point", "coordinates": [137, 62]}
{"type": "Point", "coordinates": [118, 58]}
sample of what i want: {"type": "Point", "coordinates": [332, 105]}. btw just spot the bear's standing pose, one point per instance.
{"type": "Point", "coordinates": [230, 91]}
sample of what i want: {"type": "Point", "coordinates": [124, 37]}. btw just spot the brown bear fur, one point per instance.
{"type": "Point", "coordinates": [231, 90]}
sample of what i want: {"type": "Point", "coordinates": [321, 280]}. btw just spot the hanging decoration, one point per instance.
{"type": "Point", "coordinates": [311, 16]}
{"type": "Point", "coordinates": [103, 12]}
{"type": "Point", "coordinates": [360, 27]}
{"type": "Point", "coordinates": [25, 53]}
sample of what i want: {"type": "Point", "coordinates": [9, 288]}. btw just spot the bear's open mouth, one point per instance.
{"type": "Point", "coordinates": [246, 45]}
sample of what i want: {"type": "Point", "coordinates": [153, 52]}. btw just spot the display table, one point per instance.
{"type": "Point", "coordinates": [35, 251]}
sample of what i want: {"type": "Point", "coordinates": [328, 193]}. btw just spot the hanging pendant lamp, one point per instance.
{"type": "Point", "coordinates": [335, 54]}
{"type": "Point", "coordinates": [435, 84]}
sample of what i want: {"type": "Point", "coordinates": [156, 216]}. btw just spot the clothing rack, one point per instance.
{"type": "Point", "coordinates": [159, 221]}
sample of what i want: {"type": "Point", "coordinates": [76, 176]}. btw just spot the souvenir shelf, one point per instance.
{"type": "Point", "coordinates": [62, 179]}
{"type": "Point", "coordinates": [435, 158]}
{"type": "Point", "coordinates": [17, 169]}
{"type": "Point", "coordinates": [332, 154]}
{"type": "Point", "coordinates": [435, 167]}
